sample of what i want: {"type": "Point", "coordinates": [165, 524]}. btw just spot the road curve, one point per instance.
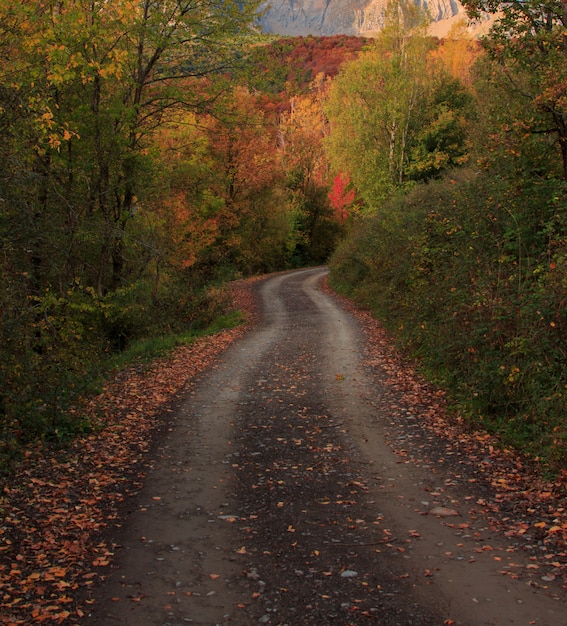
{"type": "Point", "coordinates": [275, 498]}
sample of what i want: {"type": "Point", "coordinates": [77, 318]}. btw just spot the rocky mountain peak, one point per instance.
{"type": "Point", "coordinates": [350, 17]}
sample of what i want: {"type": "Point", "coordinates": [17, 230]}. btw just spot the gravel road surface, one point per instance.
{"type": "Point", "coordinates": [276, 498]}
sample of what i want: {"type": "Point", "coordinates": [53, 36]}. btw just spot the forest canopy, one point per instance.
{"type": "Point", "coordinates": [144, 164]}
{"type": "Point", "coordinates": [153, 151]}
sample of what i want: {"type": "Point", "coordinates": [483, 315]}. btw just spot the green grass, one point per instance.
{"type": "Point", "coordinates": [59, 426]}
{"type": "Point", "coordinates": [150, 348]}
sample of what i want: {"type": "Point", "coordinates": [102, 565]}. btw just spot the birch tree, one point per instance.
{"type": "Point", "coordinates": [374, 105]}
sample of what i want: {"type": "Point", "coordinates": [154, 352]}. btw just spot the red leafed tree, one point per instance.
{"type": "Point", "coordinates": [341, 197]}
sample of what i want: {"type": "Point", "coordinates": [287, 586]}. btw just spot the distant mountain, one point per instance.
{"type": "Point", "coordinates": [349, 17]}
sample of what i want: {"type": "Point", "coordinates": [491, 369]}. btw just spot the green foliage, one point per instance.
{"type": "Point", "coordinates": [467, 273]}
{"type": "Point", "coordinates": [316, 230]}
{"type": "Point", "coordinates": [87, 265]}
{"type": "Point", "coordinates": [441, 143]}
{"type": "Point", "coordinates": [142, 352]}
{"type": "Point", "coordinates": [395, 116]}
{"type": "Point", "coordinates": [56, 351]}
{"type": "Point", "coordinates": [52, 347]}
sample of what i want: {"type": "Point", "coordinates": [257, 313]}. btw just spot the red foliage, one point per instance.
{"type": "Point", "coordinates": [322, 55]}
{"type": "Point", "coordinates": [304, 58]}
{"type": "Point", "coordinates": [340, 198]}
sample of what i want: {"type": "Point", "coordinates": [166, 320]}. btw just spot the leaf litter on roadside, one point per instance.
{"type": "Point", "coordinates": [505, 488]}
{"type": "Point", "coordinates": [57, 504]}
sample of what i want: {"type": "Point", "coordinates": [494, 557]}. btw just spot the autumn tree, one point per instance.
{"type": "Point", "coordinates": [89, 82]}
{"type": "Point", "coordinates": [83, 85]}
{"type": "Point", "coordinates": [341, 196]}
{"type": "Point", "coordinates": [527, 49]}
{"type": "Point", "coordinates": [253, 221]}
{"type": "Point", "coordinates": [181, 208]}
{"type": "Point", "coordinates": [390, 124]}
{"type": "Point", "coordinates": [457, 52]}
{"type": "Point", "coordinates": [302, 131]}
{"type": "Point", "coordinates": [220, 192]}
{"type": "Point", "coordinates": [373, 104]}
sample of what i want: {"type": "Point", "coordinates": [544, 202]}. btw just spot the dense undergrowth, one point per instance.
{"type": "Point", "coordinates": [469, 273]}
{"type": "Point", "coordinates": [78, 342]}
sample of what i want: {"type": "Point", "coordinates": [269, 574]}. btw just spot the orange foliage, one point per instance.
{"type": "Point", "coordinates": [190, 233]}
{"type": "Point", "coordinates": [457, 53]}
{"type": "Point", "coordinates": [243, 147]}
{"type": "Point", "coordinates": [302, 131]}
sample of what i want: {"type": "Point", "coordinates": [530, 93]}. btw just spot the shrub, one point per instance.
{"type": "Point", "coordinates": [469, 275]}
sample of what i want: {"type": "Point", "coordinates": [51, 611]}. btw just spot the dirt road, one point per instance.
{"type": "Point", "coordinates": [276, 498]}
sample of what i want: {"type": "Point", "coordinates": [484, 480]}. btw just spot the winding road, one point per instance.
{"type": "Point", "coordinates": [276, 498]}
